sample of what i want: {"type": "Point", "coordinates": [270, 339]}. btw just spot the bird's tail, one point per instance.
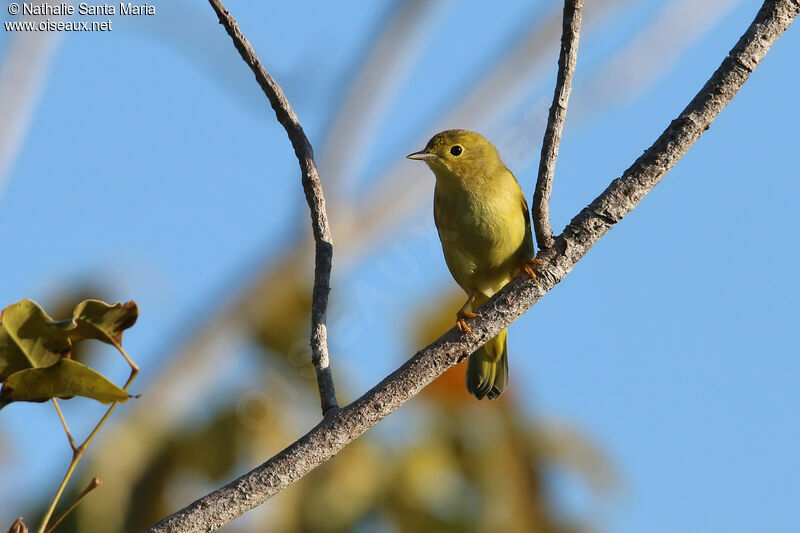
{"type": "Point", "coordinates": [487, 368]}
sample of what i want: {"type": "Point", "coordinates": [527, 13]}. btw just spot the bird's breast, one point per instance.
{"type": "Point", "coordinates": [482, 232]}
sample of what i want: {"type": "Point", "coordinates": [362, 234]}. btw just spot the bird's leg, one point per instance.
{"type": "Point", "coordinates": [464, 313]}
{"type": "Point", "coordinates": [528, 265]}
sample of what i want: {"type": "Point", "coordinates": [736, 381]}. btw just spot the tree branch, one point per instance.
{"type": "Point", "coordinates": [316, 203]}
{"type": "Point", "coordinates": [571, 32]}
{"type": "Point", "coordinates": [623, 194]}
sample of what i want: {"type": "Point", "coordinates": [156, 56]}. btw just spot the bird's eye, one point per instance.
{"type": "Point", "coordinates": [456, 150]}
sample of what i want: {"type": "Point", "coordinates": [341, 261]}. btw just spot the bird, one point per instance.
{"type": "Point", "coordinates": [484, 226]}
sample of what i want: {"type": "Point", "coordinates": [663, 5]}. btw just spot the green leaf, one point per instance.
{"type": "Point", "coordinates": [65, 378]}
{"type": "Point", "coordinates": [11, 357]}
{"type": "Point", "coordinates": [34, 350]}
{"type": "Point", "coordinates": [28, 339]}
{"type": "Point", "coordinates": [93, 319]}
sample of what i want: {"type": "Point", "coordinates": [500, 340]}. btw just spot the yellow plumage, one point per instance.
{"type": "Point", "coordinates": [483, 223]}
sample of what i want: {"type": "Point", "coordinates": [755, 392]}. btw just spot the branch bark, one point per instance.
{"type": "Point", "coordinates": [571, 32]}
{"type": "Point", "coordinates": [316, 203]}
{"type": "Point", "coordinates": [623, 194]}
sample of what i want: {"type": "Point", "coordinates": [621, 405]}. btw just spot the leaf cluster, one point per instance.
{"type": "Point", "coordinates": [35, 351]}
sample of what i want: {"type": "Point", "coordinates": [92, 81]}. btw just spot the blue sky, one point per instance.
{"type": "Point", "coordinates": [153, 164]}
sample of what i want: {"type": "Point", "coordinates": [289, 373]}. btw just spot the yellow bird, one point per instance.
{"type": "Point", "coordinates": [484, 226]}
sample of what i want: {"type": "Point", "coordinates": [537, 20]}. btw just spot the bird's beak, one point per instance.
{"type": "Point", "coordinates": [422, 155]}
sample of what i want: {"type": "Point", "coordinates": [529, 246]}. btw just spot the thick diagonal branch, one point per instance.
{"type": "Point", "coordinates": [316, 202]}
{"type": "Point", "coordinates": [620, 198]}
{"type": "Point", "coordinates": [570, 35]}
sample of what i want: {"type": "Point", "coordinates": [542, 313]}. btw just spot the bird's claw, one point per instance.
{"type": "Point", "coordinates": [528, 265]}
{"type": "Point", "coordinates": [462, 323]}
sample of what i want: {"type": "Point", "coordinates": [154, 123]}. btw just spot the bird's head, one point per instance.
{"type": "Point", "coordinates": [460, 153]}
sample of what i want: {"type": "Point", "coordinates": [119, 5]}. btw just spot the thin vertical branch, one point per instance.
{"type": "Point", "coordinates": [316, 203]}
{"type": "Point", "coordinates": [573, 13]}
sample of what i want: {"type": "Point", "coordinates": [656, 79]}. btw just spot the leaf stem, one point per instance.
{"type": "Point", "coordinates": [134, 366]}
{"type": "Point", "coordinates": [64, 423]}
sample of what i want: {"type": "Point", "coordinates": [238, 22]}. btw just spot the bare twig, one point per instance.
{"type": "Point", "coordinates": [571, 32]}
{"type": "Point", "coordinates": [93, 484]}
{"type": "Point", "coordinates": [316, 202]}
{"type": "Point", "coordinates": [620, 198]}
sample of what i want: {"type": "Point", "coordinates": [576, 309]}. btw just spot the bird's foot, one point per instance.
{"type": "Point", "coordinates": [528, 265]}
{"type": "Point", "coordinates": [461, 321]}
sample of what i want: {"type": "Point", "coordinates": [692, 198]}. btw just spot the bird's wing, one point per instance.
{"type": "Point", "coordinates": [527, 250]}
